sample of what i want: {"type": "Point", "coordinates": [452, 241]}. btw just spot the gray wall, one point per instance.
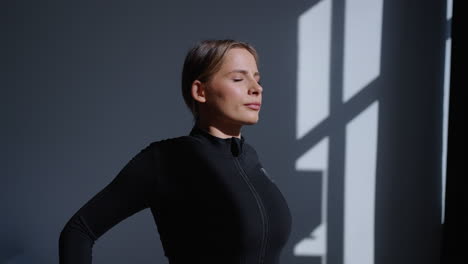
{"type": "Point", "coordinates": [87, 84]}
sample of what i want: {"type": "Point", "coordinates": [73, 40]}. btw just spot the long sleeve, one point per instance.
{"type": "Point", "coordinates": [129, 192]}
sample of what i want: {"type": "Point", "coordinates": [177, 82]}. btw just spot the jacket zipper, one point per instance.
{"type": "Point", "coordinates": [261, 208]}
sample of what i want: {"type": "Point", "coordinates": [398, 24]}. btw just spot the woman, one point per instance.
{"type": "Point", "coordinates": [210, 197]}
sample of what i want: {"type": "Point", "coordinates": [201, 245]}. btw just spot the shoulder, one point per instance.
{"type": "Point", "coordinates": [250, 150]}
{"type": "Point", "coordinates": [174, 144]}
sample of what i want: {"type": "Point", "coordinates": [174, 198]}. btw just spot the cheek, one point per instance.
{"type": "Point", "coordinates": [229, 94]}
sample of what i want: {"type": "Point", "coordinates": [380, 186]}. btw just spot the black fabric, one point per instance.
{"type": "Point", "coordinates": [210, 197]}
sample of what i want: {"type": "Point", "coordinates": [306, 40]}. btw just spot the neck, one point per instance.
{"type": "Point", "coordinates": [220, 130]}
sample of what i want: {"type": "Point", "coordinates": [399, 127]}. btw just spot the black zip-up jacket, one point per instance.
{"type": "Point", "coordinates": [211, 199]}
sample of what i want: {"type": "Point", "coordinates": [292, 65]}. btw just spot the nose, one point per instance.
{"type": "Point", "coordinates": [255, 88]}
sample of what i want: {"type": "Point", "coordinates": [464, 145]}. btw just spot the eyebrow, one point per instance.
{"type": "Point", "coordinates": [243, 72]}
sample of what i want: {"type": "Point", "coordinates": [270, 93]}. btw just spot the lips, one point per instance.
{"type": "Point", "coordinates": [254, 106]}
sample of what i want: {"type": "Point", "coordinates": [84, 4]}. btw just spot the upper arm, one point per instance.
{"type": "Point", "coordinates": [130, 191]}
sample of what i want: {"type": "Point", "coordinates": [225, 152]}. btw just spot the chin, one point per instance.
{"type": "Point", "coordinates": [250, 121]}
{"type": "Point", "coordinates": [246, 119]}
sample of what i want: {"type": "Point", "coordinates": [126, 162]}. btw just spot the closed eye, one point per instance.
{"type": "Point", "coordinates": [237, 80]}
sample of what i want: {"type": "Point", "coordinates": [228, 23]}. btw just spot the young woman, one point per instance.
{"type": "Point", "coordinates": [210, 196]}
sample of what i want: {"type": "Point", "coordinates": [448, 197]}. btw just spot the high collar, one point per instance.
{"type": "Point", "coordinates": [233, 145]}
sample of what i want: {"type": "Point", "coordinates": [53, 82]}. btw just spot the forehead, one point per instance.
{"type": "Point", "coordinates": [239, 58]}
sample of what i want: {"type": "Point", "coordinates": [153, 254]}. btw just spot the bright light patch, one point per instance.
{"type": "Point", "coordinates": [360, 171]}
{"type": "Point", "coordinates": [313, 71]}
{"type": "Point", "coordinates": [363, 34]}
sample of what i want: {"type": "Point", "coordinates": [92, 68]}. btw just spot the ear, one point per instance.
{"type": "Point", "coordinates": [198, 91]}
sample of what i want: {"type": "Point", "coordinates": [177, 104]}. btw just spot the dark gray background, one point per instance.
{"type": "Point", "coordinates": [86, 84]}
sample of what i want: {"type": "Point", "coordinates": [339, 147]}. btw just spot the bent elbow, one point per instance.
{"type": "Point", "coordinates": [75, 242]}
